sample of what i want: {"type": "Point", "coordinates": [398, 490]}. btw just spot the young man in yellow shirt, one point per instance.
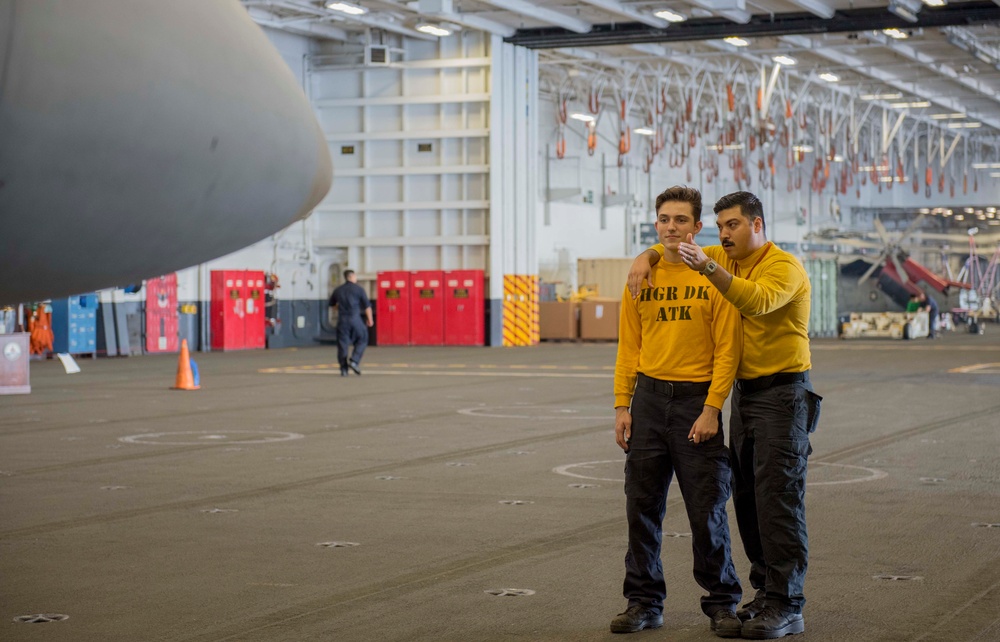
{"type": "Point", "coordinates": [678, 349]}
{"type": "Point", "coordinates": [774, 407]}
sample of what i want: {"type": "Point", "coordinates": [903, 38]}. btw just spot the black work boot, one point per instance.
{"type": "Point", "coordinates": [726, 624]}
{"type": "Point", "coordinates": [355, 367]}
{"type": "Point", "coordinates": [636, 618]}
{"type": "Point", "coordinates": [752, 608]}
{"type": "Point", "coordinates": [772, 623]}
{"type": "Point", "coordinates": [343, 371]}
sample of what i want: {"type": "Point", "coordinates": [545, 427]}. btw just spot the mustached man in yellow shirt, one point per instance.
{"type": "Point", "coordinates": [774, 407]}
{"type": "Point", "coordinates": [678, 349]}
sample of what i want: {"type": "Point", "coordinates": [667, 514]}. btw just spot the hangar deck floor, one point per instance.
{"type": "Point", "coordinates": [149, 514]}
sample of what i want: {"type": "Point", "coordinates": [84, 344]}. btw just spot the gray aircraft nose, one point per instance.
{"type": "Point", "coordinates": [138, 137]}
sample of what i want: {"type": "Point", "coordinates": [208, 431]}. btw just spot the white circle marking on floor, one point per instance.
{"type": "Point", "coordinates": [198, 437]}
{"type": "Point", "coordinates": [873, 473]}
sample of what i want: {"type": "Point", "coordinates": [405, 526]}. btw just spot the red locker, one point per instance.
{"type": "Point", "coordinates": [227, 310]}
{"type": "Point", "coordinates": [464, 308]}
{"type": "Point", "coordinates": [427, 308]}
{"type": "Point", "coordinates": [161, 314]}
{"type": "Point", "coordinates": [392, 308]}
{"type": "Point", "coordinates": [253, 297]}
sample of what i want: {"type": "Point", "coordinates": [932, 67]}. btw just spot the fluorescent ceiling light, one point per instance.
{"type": "Point", "coordinates": [970, 210]}
{"type": "Point", "coordinates": [788, 61]}
{"type": "Point", "coordinates": [348, 8]}
{"type": "Point", "coordinates": [960, 217]}
{"type": "Point", "coordinates": [737, 41]}
{"type": "Point", "coordinates": [644, 131]}
{"type": "Point", "coordinates": [881, 96]}
{"type": "Point", "coordinates": [802, 148]}
{"type": "Point", "coordinates": [947, 116]}
{"type": "Point", "coordinates": [915, 105]}
{"type": "Point", "coordinates": [925, 210]}
{"type": "Point", "coordinates": [964, 125]}
{"type": "Point", "coordinates": [986, 166]}
{"type": "Point", "coordinates": [434, 30]}
{"type": "Point", "coordinates": [837, 158]}
{"type": "Point", "coordinates": [935, 3]}
{"type": "Point", "coordinates": [827, 76]}
{"type": "Point", "coordinates": [670, 16]}
{"type": "Point", "coordinates": [584, 117]}
{"type": "Point", "coordinates": [896, 33]}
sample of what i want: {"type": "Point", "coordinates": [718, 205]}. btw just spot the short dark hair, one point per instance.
{"type": "Point", "coordinates": [348, 273]}
{"type": "Point", "coordinates": [750, 206]}
{"type": "Point", "coordinates": [683, 194]}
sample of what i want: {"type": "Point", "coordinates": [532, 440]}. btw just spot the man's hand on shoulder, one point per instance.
{"type": "Point", "coordinates": [641, 270]}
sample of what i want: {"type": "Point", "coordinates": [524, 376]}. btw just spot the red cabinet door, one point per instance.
{"type": "Point", "coordinates": [464, 308]}
{"type": "Point", "coordinates": [161, 314]}
{"type": "Point", "coordinates": [392, 308]}
{"type": "Point", "coordinates": [227, 310]}
{"type": "Point", "coordinates": [253, 308]}
{"type": "Point", "coordinates": [427, 308]}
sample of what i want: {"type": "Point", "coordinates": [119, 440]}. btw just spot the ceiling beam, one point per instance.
{"type": "Point", "coordinates": [850, 20]}
{"type": "Point", "coordinates": [471, 20]}
{"type": "Point", "coordinates": [910, 52]}
{"type": "Point", "coordinates": [304, 26]}
{"type": "Point", "coordinates": [816, 7]}
{"type": "Point", "coordinates": [876, 73]}
{"type": "Point", "coordinates": [612, 6]}
{"type": "Point", "coordinates": [322, 14]}
{"type": "Point", "coordinates": [569, 23]}
{"type": "Point", "coordinates": [732, 10]}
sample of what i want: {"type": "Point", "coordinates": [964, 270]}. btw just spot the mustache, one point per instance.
{"type": "Point", "coordinates": [728, 244]}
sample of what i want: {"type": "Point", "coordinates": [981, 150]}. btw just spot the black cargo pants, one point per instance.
{"type": "Point", "coordinates": [769, 438]}
{"type": "Point", "coordinates": [662, 416]}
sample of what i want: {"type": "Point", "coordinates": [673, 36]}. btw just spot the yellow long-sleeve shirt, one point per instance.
{"type": "Point", "coordinates": [771, 290]}
{"type": "Point", "coordinates": [681, 329]}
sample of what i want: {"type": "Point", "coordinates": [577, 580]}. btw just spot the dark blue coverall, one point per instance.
{"type": "Point", "coordinates": [351, 301]}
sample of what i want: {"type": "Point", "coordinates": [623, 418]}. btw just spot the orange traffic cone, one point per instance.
{"type": "Point", "coordinates": [185, 378]}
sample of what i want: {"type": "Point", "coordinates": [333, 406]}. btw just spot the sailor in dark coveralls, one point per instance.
{"type": "Point", "coordinates": [351, 300]}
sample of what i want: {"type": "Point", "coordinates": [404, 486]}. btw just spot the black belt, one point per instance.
{"type": "Point", "coordinates": [750, 386]}
{"type": "Point", "coordinates": [673, 388]}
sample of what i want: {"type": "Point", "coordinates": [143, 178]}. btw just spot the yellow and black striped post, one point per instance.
{"type": "Point", "coordinates": [520, 310]}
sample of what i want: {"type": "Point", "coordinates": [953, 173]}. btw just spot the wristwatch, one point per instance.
{"type": "Point", "coordinates": [709, 268]}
